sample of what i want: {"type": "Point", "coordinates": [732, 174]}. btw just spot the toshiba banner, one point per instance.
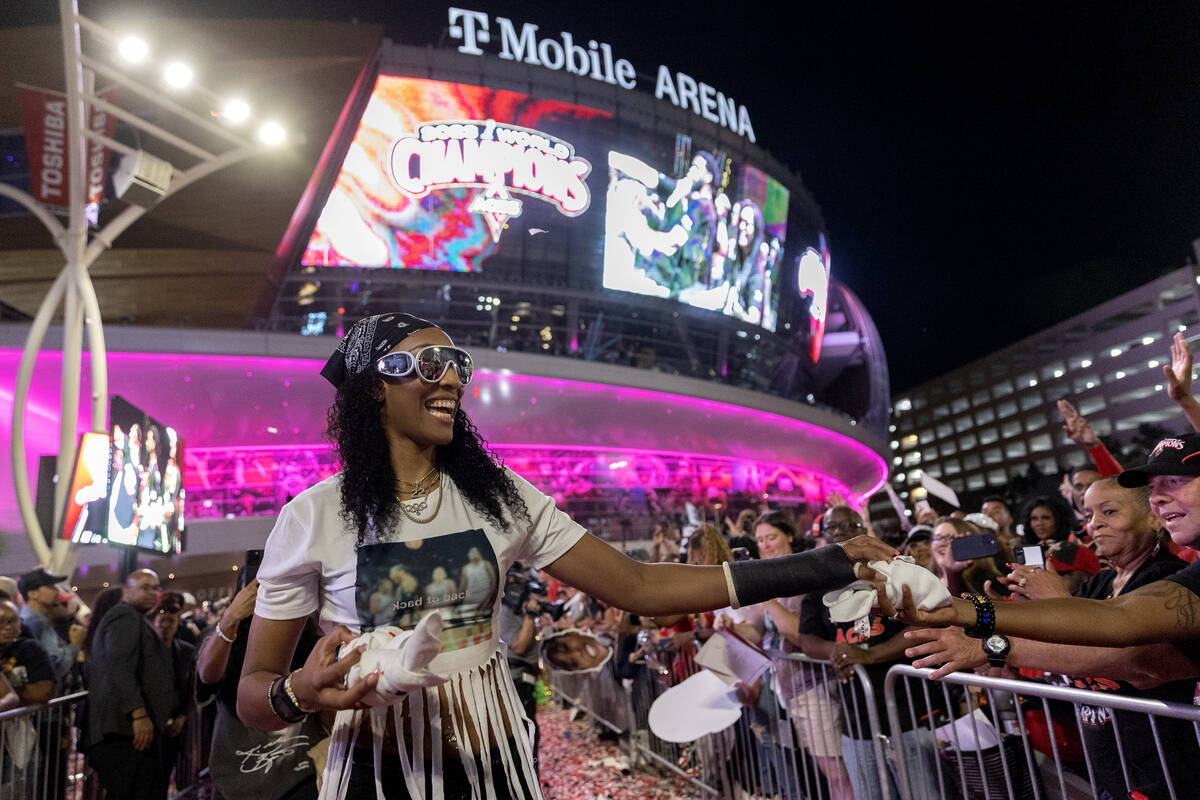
{"type": "Point", "coordinates": [46, 146]}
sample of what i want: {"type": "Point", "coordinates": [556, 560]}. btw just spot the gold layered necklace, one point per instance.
{"type": "Point", "coordinates": [419, 492]}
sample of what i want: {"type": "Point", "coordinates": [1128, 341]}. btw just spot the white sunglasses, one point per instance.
{"type": "Point", "coordinates": [430, 363]}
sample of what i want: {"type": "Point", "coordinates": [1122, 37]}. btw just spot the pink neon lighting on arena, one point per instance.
{"type": "Point", "coordinates": [213, 403]}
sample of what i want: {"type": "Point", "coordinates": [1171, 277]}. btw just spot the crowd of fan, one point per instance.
{"type": "Point", "coordinates": [1093, 539]}
{"type": "Point", "coordinates": [134, 651]}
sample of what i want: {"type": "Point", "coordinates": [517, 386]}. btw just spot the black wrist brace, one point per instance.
{"type": "Point", "coordinates": [817, 570]}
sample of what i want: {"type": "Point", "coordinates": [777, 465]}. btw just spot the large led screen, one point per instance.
{"type": "Point", "coordinates": [711, 237]}
{"type": "Point", "coordinates": [146, 498]}
{"type": "Point", "coordinates": [450, 176]}
{"type": "Point", "coordinates": [438, 173]}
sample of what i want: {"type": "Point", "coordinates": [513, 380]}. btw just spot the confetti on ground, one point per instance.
{"type": "Point", "coordinates": [576, 764]}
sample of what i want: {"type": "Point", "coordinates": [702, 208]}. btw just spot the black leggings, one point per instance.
{"type": "Point", "coordinates": [455, 784]}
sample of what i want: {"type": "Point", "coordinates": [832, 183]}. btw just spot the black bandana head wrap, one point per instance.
{"type": "Point", "coordinates": [370, 338]}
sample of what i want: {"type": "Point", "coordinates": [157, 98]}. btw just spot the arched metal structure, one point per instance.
{"type": "Point", "coordinates": [73, 289]}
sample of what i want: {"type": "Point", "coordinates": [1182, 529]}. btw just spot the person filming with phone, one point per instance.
{"type": "Point", "coordinates": [963, 553]}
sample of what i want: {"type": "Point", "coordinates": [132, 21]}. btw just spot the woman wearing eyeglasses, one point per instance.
{"type": "Point", "coordinates": [432, 712]}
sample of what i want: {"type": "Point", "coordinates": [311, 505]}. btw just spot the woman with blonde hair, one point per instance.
{"type": "Point", "coordinates": [960, 576]}
{"type": "Point", "coordinates": [708, 546]}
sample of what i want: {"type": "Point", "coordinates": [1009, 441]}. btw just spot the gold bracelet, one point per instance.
{"type": "Point", "coordinates": [291, 694]}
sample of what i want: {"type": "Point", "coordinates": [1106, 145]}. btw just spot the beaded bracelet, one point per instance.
{"type": "Point", "coordinates": [985, 617]}
{"type": "Point", "coordinates": [287, 687]}
{"type": "Point", "coordinates": [274, 708]}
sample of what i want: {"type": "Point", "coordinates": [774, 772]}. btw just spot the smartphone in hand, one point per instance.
{"type": "Point", "coordinates": [1030, 556]}
{"type": "Point", "coordinates": [966, 548]}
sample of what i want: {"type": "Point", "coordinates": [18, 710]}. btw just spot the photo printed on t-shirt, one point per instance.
{"type": "Point", "coordinates": [400, 583]}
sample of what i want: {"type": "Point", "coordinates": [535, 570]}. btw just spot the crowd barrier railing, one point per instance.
{"type": "Point", "coordinates": [40, 756]}
{"type": "Point", "coordinates": [807, 734]}
{"type": "Point", "coordinates": [1016, 739]}
{"type": "Point", "coordinates": [787, 743]}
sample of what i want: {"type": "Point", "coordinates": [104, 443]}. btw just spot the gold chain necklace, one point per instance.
{"type": "Point", "coordinates": [417, 490]}
{"type": "Point", "coordinates": [420, 501]}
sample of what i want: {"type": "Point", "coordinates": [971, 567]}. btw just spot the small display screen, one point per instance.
{"type": "Point", "coordinates": [86, 514]}
{"type": "Point", "coordinates": [146, 495]}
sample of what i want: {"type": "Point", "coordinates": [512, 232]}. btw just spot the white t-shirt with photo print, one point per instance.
{"type": "Point", "coordinates": [312, 563]}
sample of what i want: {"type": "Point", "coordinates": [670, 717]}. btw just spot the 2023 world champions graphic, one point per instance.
{"type": "Point", "coordinates": [429, 178]}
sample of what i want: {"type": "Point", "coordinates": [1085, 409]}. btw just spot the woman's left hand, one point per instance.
{"type": "Point", "coordinates": [1034, 583]}
{"type": "Point", "coordinates": [321, 682]}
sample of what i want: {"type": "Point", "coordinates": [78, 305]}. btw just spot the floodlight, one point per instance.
{"type": "Point", "coordinates": [271, 133]}
{"type": "Point", "coordinates": [178, 74]}
{"type": "Point", "coordinates": [133, 49]}
{"type": "Point", "coordinates": [236, 111]}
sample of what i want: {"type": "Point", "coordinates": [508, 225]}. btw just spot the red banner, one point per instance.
{"type": "Point", "coordinates": [48, 151]}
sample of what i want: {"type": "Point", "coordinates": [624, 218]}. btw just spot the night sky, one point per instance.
{"type": "Point", "coordinates": [985, 170]}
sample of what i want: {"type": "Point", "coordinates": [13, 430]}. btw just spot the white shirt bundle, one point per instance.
{"type": "Point", "coordinates": [402, 658]}
{"type": "Point", "coordinates": [853, 602]}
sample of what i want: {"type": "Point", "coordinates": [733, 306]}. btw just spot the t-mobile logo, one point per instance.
{"type": "Point", "coordinates": [471, 27]}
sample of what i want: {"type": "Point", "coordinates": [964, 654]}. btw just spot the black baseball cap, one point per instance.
{"type": "Point", "coordinates": [1175, 455]}
{"type": "Point", "coordinates": [36, 579]}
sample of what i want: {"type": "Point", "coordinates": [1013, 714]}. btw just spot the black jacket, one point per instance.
{"type": "Point", "coordinates": [183, 656]}
{"type": "Point", "coordinates": [128, 667]}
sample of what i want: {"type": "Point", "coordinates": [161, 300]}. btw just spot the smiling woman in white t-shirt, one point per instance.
{"type": "Point", "coordinates": [419, 490]}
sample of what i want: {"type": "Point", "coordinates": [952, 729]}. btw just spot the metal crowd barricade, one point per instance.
{"type": "Point", "coordinates": [825, 740]}
{"type": "Point", "coordinates": [664, 666]}
{"type": "Point", "coordinates": [598, 695]}
{"type": "Point", "coordinates": [40, 757]}
{"type": "Point", "coordinates": [789, 744]}
{"type": "Point", "coordinates": [989, 754]}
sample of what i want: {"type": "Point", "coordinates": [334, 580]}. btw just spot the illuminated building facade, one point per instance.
{"type": "Point", "coordinates": [986, 423]}
{"type": "Point", "coordinates": [646, 291]}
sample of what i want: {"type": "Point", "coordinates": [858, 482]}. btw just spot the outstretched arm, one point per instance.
{"type": "Point", "coordinates": [1163, 611]}
{"type": "Point", "coordinates": [1145, 666]}
{"type": "Point", "coordinates": [1079, 430]}
{"type": "Point", "coordinates": [656, 590]}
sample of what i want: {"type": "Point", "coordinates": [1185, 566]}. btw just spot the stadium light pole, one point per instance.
{"type": "Point", "coordinates": [73, 288]}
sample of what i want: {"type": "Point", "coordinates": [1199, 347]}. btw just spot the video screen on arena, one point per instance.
{"type": "Point", "coordinates": [450, 176]}
{"type": "Point", "coordinates": [86, 513]}
{"type": "Point", "coordinates": [146, 495]}
{"type": "Point", "coordinates": [710, 233]}
{"type": "Point", "coordinates": [439, 174]}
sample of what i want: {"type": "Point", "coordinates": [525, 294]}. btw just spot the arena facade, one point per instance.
{"type": "Point", "coordinates": [646, 290]}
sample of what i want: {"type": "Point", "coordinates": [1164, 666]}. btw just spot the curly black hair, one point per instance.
{"type": "Point", "coordinates": [1058, 508]}
{"type": "Point", "coordinates": [368, 492]}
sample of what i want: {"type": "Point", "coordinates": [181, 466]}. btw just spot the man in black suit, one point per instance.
{"type": "Point", "coordinates": [132, 695]}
